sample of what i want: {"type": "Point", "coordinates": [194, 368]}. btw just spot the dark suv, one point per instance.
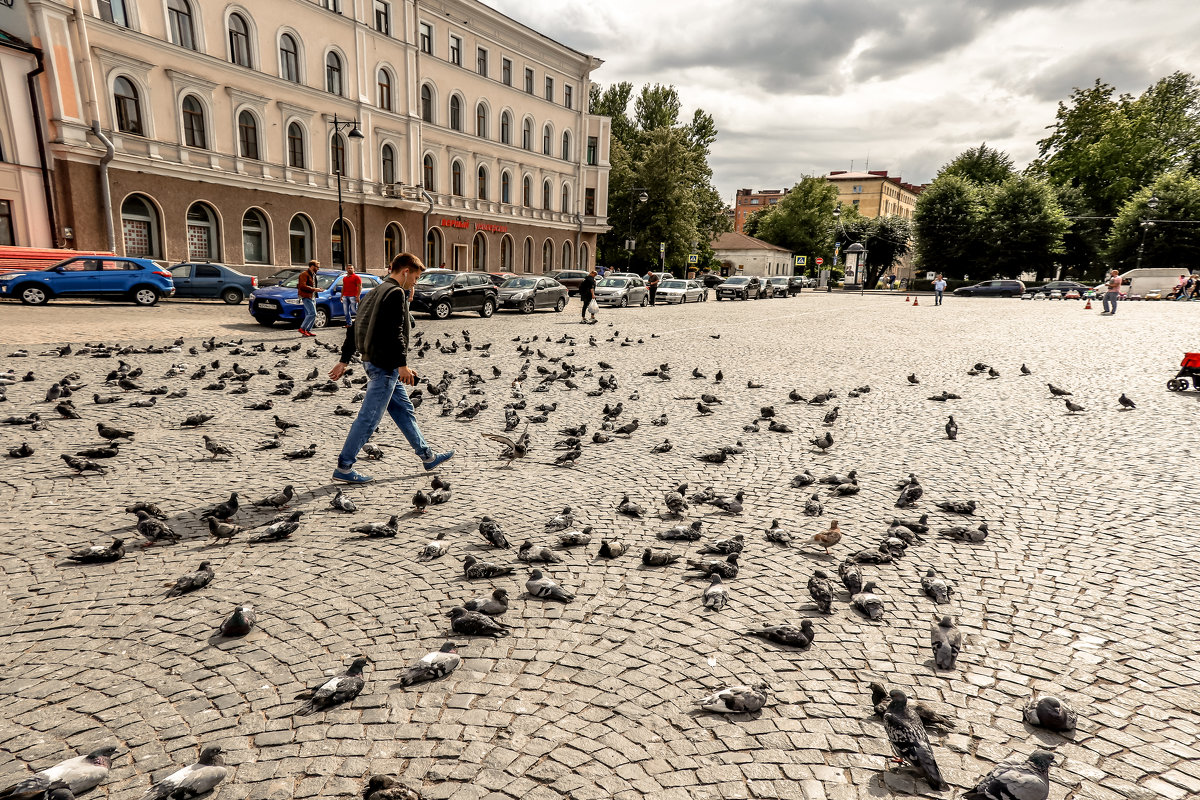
{"type": "Point", "coordinates": [1062, 286]}
{"type": "Point", "coordinates": [570, 278]}
{"type": "Point", "coordinates": [992, 289]}
{"type": "Point", "coordinates": [441, 292]}
{"type": "Point", "coordinates": [741, 287]}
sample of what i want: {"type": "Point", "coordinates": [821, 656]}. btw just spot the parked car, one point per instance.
{"type": "Point", "coordinates": [529, 293]}
{"type": "Point", "coordinates": [779, 286]}
{"type": "Point", "coordinates": [741, 287]}
{"type": "Point", "coordinates": [796, 283]}
{"type": "Point", "coordinates": [1059, 286]}
{"type": "Point", "coordinates": [1055, 294]}
{"type": "Point", "coordinates": [570, 278]}
{"type": "Point", "coordinates": [281, 303]}
{"type": "Point", "coordinates": [622, 292]}
{"type": "Point", "coordinates": [1144, 280]}
{"type": "Point", "coordinates": [623, 275]}
{"type": "Point", "coordinates": [1002, 288]}
{"type": "Point", "coordinates": [212, 280]}
{"type": "Point", "coordinates": [1072, 294]}
{"type": "Point", "coordinates": [680, 291]}
{"type": "Point", "coordinates": [711, 280]}
{"type": "Point", "coordinates": [498, 278]}
{"type": "Point", "coordinates": [276, 278]}
{"type": "Point", "coordinates": [441, 292]}
{"type": "Point", "coordinates": [138, 280]}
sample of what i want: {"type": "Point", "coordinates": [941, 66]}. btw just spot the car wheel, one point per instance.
{"type": "Point", "coordinates": [527, 307]}
{"type": "Point", "coordinates": [145, 296]}
{"type": "Point", "coordinates": [560, 305]}
{"type": "Point", "coordinates": [1006, 294]}
{"type": "Point", "coordinates": [33, 295]}
{"type": "Point", "coordinates": [232, 296]}
{"type": "Point", "coordinates": [645, 300]}
{"type": "Point", "coordinates": [265, 321]}
{"type": "Point", "coordinates": [321, 319]}
{"type": "Point", "coordinates": [625, 301]}
{"type": "Point", "coordinates": [441, 310]}
{"type": "Point", "coordinates": [489, 308]}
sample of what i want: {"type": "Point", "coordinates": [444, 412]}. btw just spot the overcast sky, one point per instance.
{"type": "Point", "coordinates": [808, 86]}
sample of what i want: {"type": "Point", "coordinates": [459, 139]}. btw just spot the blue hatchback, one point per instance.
{"type": "Point", "coordinates": [281, 303]}
{"type": "Point", "coordinates": [139, 280]}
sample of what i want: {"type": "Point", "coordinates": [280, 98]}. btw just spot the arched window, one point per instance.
{"type": "Point", "coordinates": [427, 103]}
{"type": "Point", "coordinates": [505, 128]}
{"type": "Point", "coordinates": [548, 256]}
{"type": "Point", "coordinates": [482, 183]}
{"type": "Point", "coordinates": [393, 241]}
{"type": "Point", "coordinates": [129, 107]}
{"type": "Point", "coordinates": [527, 192]}
{"type": "Point", "coordinates": [583, 257]}
{"type": "Point", "coordinates": [546, 134]}
{"type": "Point", "coordinates": [546, 190]}
{"type": "Point", "coordinates": [387, 164]}
{"type": "Point", "coordinates": [429, 174]}
{"type": "Point", "coordinates": [527, 256]}
{"type": "Point", "coordinates": [456, 178]}
{"type": "Point", "coordinates": [239, 40]}
{"type": "Point", "coordinates": [568, 250]}
{"type": "Point", "coordinates": [301, 238]}
{"type": "Point", "coordinates": [456, 113]}
{"type": "Point", "coordinates": [337, 154]}
{"type": "Point", "coordinates": [289, 58]}
{"type": "Point", "coordinates": [566, 146]}
{"type": "Point", "coordinates": [333, 73]}
{"type": "Point", "coordinates": [481, 121]}
{"type": "Point", "coordinates": [248, 135]}
{"type": "Point", "coordinates": [527, 135]}
{"type": "Point", "coordinates": [203, 233]}
{"type": "Point", "coordinates": [194, 133]}
{"type": "Point", "coordinates": [566, 199]}
{"type": "Point", "coordinates": [139, 228]}
{"type": "Point", "coordinates": [295, 136]}
{"type": "Point", "coordinates": [256, 240]}
{"type": "Point", "coordinates": [342, 246]}
{"type": "Point", "coordinates": [505, 187]}
{"type": "Point", "coordinates": [434, 248]}
{"type": "Point", "coordinates": [479, 255]}
{"type": "Point", "coordinates": [385, 90]}
{"type": "Point", "coordinates": [179, 20]}
{"type": "Point", "coordinates": [506, 254]}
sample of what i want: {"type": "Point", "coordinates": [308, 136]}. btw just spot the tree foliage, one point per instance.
{"type": "Point", "coordinates": [946, 224]}
{"type": "Point", "coordinates": [1170, 236]}
{"type": "Point", "coordinates": [983, 165]}
{"type": "Point", "coordinates": [802, 221]}
{"type": "Point", "coordinates": [1023, 228]}
{"type": "Point", "coordinates": [887, 240]}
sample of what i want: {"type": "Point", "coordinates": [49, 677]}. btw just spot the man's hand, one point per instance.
{"type": "Point", "coordinates": [408, 376]}
{"type": "Point", "coordinates": [338, 370]}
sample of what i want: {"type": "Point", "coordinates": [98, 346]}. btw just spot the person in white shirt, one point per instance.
{"type": "Point", "coordinates": [939, 286]}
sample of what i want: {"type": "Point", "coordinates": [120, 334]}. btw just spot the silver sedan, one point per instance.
{"type": "Point", "coordinates": [680, 291]}
{"type": "Point", "coordinates": [622, 292]}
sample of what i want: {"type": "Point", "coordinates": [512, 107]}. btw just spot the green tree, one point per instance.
{"type": "Point", "coordinates": [946, 226]}
{"type": "Point", "coordinates": [1171, 235]}
{"type": "Point", "coordinates": [753, 223]}
{"type": "Point", "coordinates": [983, 165]}
{"type": "Point", "coordinates": [1023, 228]}
{"type": "Point", "coordinates": [803, 220]}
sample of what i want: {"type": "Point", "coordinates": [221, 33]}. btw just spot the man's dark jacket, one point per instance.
{"type": "Point", "coordinates": [381, 328]}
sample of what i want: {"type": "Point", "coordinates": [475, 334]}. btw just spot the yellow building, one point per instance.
{"type": "Point", "coordinates": [875, 193]}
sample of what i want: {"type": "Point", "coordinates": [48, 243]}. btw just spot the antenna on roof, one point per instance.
{"type": "Point", "coordinates": [867, 168]}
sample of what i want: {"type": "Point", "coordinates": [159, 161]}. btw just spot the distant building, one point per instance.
{"type": "Point", "coordinates": [740, 254]}
{"type": "Point", "coordinates": [747, 201]}
{"type": "Point", "coordinates": [875, 193]}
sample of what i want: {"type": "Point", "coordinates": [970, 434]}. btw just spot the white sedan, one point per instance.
{"type": "Point", "coordinates": [680, 291]}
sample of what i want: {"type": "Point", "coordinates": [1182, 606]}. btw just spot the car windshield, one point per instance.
{"type": "Point", "coordinates": [618, 282]}
{"type": "Point", "coordinates": [673, 285]}
{"type": "Point", "coordinates": [737, 281]}
{"type": "Point", "coordinates": [323, 281]}
{"type": "Point", "coordinates": [519, 283]}
{"type": "Point", "coordinates": [435, 280]}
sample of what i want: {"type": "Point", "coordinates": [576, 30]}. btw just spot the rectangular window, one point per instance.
{"type": "Point", "coordinates": [333, 5]}
{"type": "Point", "coordinates": [550, 88]}
{"type": "Point", "coordinates": [506, 71]}
{"type": "Point", "coordinates": [593, 145]}
{"type": "Point", "coordinates": [589, 202]}
{"type": "Point", "coordinates": [567, 92]}
{"type": "Point", "coordinates": [426, 38]}
{"type": "Point", "coordinates": [383, 17]}
{"type": "Point", "coordinates": [113, 11]}
{"type": "Point", "coordinates": [6, 224]}
{"type": "Point", "coordinates": [456, 51]}
{"type": "Point", "coordinates": [481, 61]}
{"type": "Point", "coordinates": [528, 81]}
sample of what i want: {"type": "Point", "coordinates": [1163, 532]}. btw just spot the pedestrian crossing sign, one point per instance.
{"type": "Point", "coordinates": [693, 259]}
{"type": "Point", "coordinates": [801, 261]}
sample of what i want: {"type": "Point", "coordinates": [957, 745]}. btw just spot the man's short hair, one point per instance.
{"type": "Point", "coordinates": [406, 261]}
{"type": "Point", "coordinates": [314, 263]}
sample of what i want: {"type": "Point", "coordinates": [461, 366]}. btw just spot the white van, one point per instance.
{"type": "Point", "coordinates": [1148, 279]}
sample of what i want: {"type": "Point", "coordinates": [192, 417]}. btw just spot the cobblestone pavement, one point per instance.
{"type": "Point", "coordinates": [1085, 587]}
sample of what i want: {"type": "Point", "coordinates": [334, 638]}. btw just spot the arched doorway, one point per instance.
{"type": "Point", "coordinates": [506, 254]}
{"type": "Point", "coordinates": [393, 242]}
{"type": "Point", "coordinates": [300, 239]}
{"type": "Point", "coordinates": [203, 233]}
{"type": "Point", "coordinates": [435, 248]}
{"type": "Point", "coordinates": [479, 254]}
{"type": "Point", "coordinates": [341, 240]}
{"type": "Point", "coordinates": [139, 228]}
{"type": "Point", "coordinates": [256, 237]}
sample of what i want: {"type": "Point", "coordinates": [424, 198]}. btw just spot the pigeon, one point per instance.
{"type": "Point", "coordinates": [99, 554]}
{"type": "Point", "coordinates": [195, 420]}
{"type": "Point", "coordinates": [951, 429]}
{"type": "Point", "coordinates": [576, 538]}
{"type": "Point", "coordinates": [432, 666]}
{"type": "Point", "coordinates": [546, 589]}
{"type": "Point", "coordinates": [696, 373]}
{"type": "Point", "coordinates": [823, 442]}
{"type": "Point", "coordinates": [910, 494]}
{"type": "Point", "coordinates": [1028, 781]}
{"type": "Point", "coordinates": [223, 530]}
{"type": "Point", "coordinates": [919, 526]}
{"type": "Point", "coordinates": [223, 511]}
{"type": "Point", "coordinates": [846, 489]}
{"type": "Point", "coordinates": [184, 584]}
{"type": "Point", "coordinates": [831, 417]}
{"type": "Point", "coordinates": [805, 478]}
{"type": "Point", "coordinates": [215, 448]}
{"type": "Point", "coordinates": [820, 589]}
{"type": "Point", "coordinates": [930, 718]}
{"type": "Point", "coordinates": [730, 505]}
{"type": "Point", "coordinates": [682, 533]}
{"type": "Point", "coordinates": [1025, 370]}
{"type": "Point", "coordinates": [493, 606]}
{"type": "Point", "coordinates": [1073, 408]}
{"type": "Point", "coordinates": [835, 479]}
{"type": "Point", "coordinates": [531, 554]}
{"type": "Point", "coordinates": [612, 549]}
{"type": "Point", "coordinates": [958, 507]}
{"type": "Point", "coordinates": [869, 603]}
{"type": "Point", "coordinates": [1047, 711]}
{"type": "Point", "coordinates": [909, 741]}
{"type": "Point", "coordinates": [78, 774]}
{"type": "Point", "coordinates": [726, 569]}
{"type": "Point", "coordinates": [795, 397]}
{"type": "Point", "coordinates": [475, 623]}
{"type": "Point", "coordinates": [715, 596]}
{"type": "Point", "coordinates": [492, 532]}
{"type": "Point", "coordinates": [675, 503]}
{"type": "Point", "coordinates": [703, 410]}
{"type": "Point", "coordinates": [881, 555]}
{"type": "Point", "coordinates": [778, 427]}
{"type": "Point", "coordinates": [108, 451]}
{"type": "Point", "coordinates": [851, 577]}
{"type": "Point", "coordinates": [716, 457]}
{"type": "Point", "coordinates": [719, 377]}
{"type": "Point", "coordinates": [1126, 403]}
{"type": "Point", "coordinates": [1057, 392]}
{"type": "Point", "coordinates": [82, 465]}
{"type": "Point", "coordinates": [630, 508]}
{"type": "Point", "coordinates": [239, 623]}
{"type": "Point", "coordinates": [306, 452]}
{"type": "Point", "coordinates": [913, 379]}
{"type": "Point", "coordinates": [724, 547]}
{"type": "Point", "coordinates": [102, 401]}
{"type": "Point", "coordinates": [335, 691]}
{"type": "Point", "coordinates": [155, 530]}
{"type": "Point", "coordinates": [936, 588]}
{"type": "Point", "coordinates": [813, 506]}
{"type": "Point", "coordinates": [663, 447]}
{"type": "Point", "coordinates": [67, 411]}
{"type": "Point", "coordinates": [112, 434]}
{"type": "Point", "coordinates": [278, 500]}
{"type": "Point", "coordinates": [340, 502]}
{"type": "Point", "coordinates": [283, 424]}
{"type": "Point", "coordinates": [561, 521]}
{"type": "Point", "coordinates": [195, 779]}
{"type": "Point", "coordinates": [828, 538]}
{"type": "Point", "coordinates": [993, 373]}
{"type": "Point", "coordinates": [784, 633]}
{"type": "Point", "coordinates": [434, 549]}
{"type": "Point", "coordinates": [378, 530]}
{"type": "Point", "coordinates": [736, 699]}
{"type": "Point", "coordinates": [659, 558]}
{"type": "Point", "coordinates": [474, 568]}
{"type": "Point", "coordinates": [946, 640]}
{"type": "Point", "coordinates": [278, 529]}
{"type": "Point", "coordinates": [513, 448]}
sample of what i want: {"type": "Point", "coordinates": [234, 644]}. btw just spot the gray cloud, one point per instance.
{"type": "Point", "coordinates": [1129, 71]}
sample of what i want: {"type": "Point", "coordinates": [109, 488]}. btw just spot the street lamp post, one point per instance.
{"type": "Point", "coordinates": [837, 245]}
{"type": "Point", "coordinates": [1146, 225]}
{"type": "Point", "coordinates": [641, 196]}
{"type": "Point", "coordinates": [355, 133]}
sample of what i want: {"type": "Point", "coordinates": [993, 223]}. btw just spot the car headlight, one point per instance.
{"type": "Point", "coordinates": [293, 301]}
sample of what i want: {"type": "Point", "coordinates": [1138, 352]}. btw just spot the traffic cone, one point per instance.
{"type": "Point", "coordinates": [916, 302]}
{"type": "Point", "coordinates": [1088, 307]}
{"type": "Point", "coordinates": [906, 298]}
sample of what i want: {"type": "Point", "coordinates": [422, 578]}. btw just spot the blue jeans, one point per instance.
{"type": "Point", "coordinates": [937, 297]}
{"type": "Point", "coordinates": [1111, 297]}
{"type": "Point", "coordinates": [350, 306]}
{"type": "Point", "coordinates": [384, 393]}
{"type": "Point", "coordinates": [310, 313]}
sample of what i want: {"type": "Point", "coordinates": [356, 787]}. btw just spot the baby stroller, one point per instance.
{"type": "Point", "coordinates": [1189, 369]}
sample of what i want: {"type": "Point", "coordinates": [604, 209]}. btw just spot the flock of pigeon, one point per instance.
{"type": "Point", "coordinates": [541, 369]}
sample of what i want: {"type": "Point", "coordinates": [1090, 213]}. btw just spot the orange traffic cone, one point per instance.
{"type": "Point", "coordinates": [1088, 307]}
{"type": "Point", "coordinates": [906, 298]}
{"type": "Point", "coordinates": [916, 302]}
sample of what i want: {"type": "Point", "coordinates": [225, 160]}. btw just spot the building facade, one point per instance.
{"type": "Point", "coordinates": [740, 254]}
{"type": "Point", "coordinates": [747, 201]}
{"type": "Point", "coordinates": [875, 193]}
{"type": "Point", "coordinates": [264, 134]}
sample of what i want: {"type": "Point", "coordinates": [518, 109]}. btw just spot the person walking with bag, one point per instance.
{"type": "Point", "coordinates": [381, 334]}
{"type": "Point", "coordinates": [587, 296]}
{"type": "Point", "coordinates": [351, 290]}
{"type": "Point", "coordinates": [1112, 295]}
{"type": "Point", "coordinates": [306, 289]}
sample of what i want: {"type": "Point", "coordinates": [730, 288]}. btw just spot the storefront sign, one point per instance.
{"type": "Point", "coordinates": [455, 223]}
{"type": "Point", "coordinates": [479, 226]}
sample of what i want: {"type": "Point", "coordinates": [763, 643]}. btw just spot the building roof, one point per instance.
{"type": "Point", "coordinates": [838, 175]}
{"type": "Point", "coordinates": [740, 241]}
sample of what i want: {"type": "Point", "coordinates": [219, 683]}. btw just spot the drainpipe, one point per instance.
{"type": "Point", "coordinates": [425, 224]}
{"type": "Point", "coordinates": [105, 188]}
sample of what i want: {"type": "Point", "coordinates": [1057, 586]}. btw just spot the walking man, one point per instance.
{"type": "Point", "coordinates": [351, 289]}
{"type": "Point", "coordinates": [939, 286]}
{"type": "Point", "coordinates": [652, 285]}
{"type": "Point", "coordinates": [381, 334]}
{"type": "Point", "coordinates": [587, 292]}
{"type": "Point", "coordinates": [1112, 295]}
{"type": "Point", "coordinates": [306, 288]}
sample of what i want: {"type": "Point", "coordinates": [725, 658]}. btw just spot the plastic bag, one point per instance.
{"type": "Point", "coordinates": [593, 308]}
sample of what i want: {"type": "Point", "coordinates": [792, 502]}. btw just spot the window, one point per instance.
{"type": "Point", "coordinates": [546, 134]}
{"type": "Point", "coordinates": [427, 103]}
{"type": "Point", "coordinates": [568, 91]}
{"type": "Point", "coordinates": [255, 242]}
{"type": "Point", "coordinates": [506, 254]}
{"type": "Point", "coordinates": [6, 224]}
{"type": "Point", "coordinates": [295, 141]}
{"type": "Point", "coordinates": [129, 110]}
{"type": "Point", "coordinates": [754, 202]}
{"type": "Point", "coordinates": [566, 197]}
{"type": "Point", "coordinates": [333, 73]}
{"type": "Point", "coordinates": [203, 234]}
{"type": "Point", "coordinates": [546, 191]}
{"type": "Point", "coordinates": [528, 80]}
{"type": "Point", "coordinates": [566, 146]}
{"type": "Point", "coordinates": [456, 50]}
{"type": "Point", "coordinates": [505, 188]}
{"type": "Point", "coordinates": [341, 239]}
{"type": "Point", "coordinates": [300, 236]}
{"type": "Point", "coordinates": [429, 175]}
{"type": "Point", "coordinates": [456, 178]}
{"type": "Point", "coordinates": [337, 154]}
{"type": "Point", "coordinates": [527, 192]}
{"type": "Point", "coordinates": [481, 61]}
{"type": "Point", "coordinates": [506, 71]}
{"type": "Point", "coordinates": [139, 228]}
{"type": "Point", "coordinates": [481, 121]}
{"type": "Point", "coordinates": [456, 113]}
{"type": "Point", "coordinates": [548, 256]}
{"type": "Point", "coordinates": [589, 202]}
{"type": "Point", "coordinates": [479, 253]}
{"type": "Point", "coordinates": [482, 188]}
{"type": "Point", "coordinates": [856, 202]}
{"type": "Point", "coordinates": [387, 164]}
{"type": "Point", "coordinates": [179, 21]}
{"type": "Point", "coordinates": [549, 88]}
{"type": "Point", "coordinates": [505, 128]}
{"type": "Point", "coordinates": [426, 38]}
{"type": "Point", "coordinates": [593, 146]}
{"type": "Point", "coordinates": [433, 248]}
{"type": "Point", "coordinates": [393, 242]}
{"type": "Point", "coordinates": [528, 256]}
{"type": "Point", "coordinates": [583, 257]}
{"type": "Point", "coordinates": [857, 189]}
{"type": "Point", "coordinates": [527, 135]}
{"type": "Point", "coordinates": [289, 59]}
{"type": "Point", "coordinates": [248, 135]}
{"type": "Point", "coordinates": [239, 40]}
{"type": "Point", "coordinates": [567, 252]}
{"type": "Point", "coordinates": [384, 90]}
{"type": "Point", "coordinates": [332, 5]}
{"type": "Point", "coordinates": [114, 11]}
{"type": "Point", "coordinates": [383, 17]}
{"type": "Point", "coordinates": [194, 134]}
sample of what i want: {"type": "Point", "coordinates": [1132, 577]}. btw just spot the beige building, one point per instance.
{"type": "Point", "coordinates": [26, 214]}
{"type": "Point", "coordinates": [875, 193]}
{"type": "Point", "coordinates": [740, 254]}
{"type": "Point", "coordinates": [218, 130]}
